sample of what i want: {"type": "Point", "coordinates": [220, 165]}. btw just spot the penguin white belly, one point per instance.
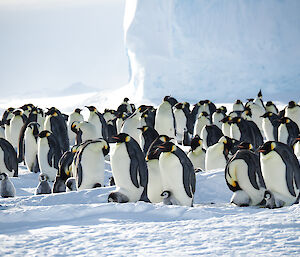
{"type": "Point", "coordinates": [274, 174]}
{"type": "Point", "coordinates": [141, 141]}
{"type": "Point", "coordinates": [199, 125]}
{"type": "Point", "coordinates": [216, 119]}
{"type": "Point", "coordinates": [43, 149]}
{"type": "Point", "coordinates": [73, 117]}
{"type": "Point", "coordinates": [172, 178]}
{"type": "Point", "coordinates": [15, 128]}
{"type": "Point", "coordinates": [130, 126]}
{"type": "Point", "coordinates": [98, 125]}
{"type": "Point", "coordinates": [120, 163]}
{"type": "Point", "coordinates": [47, 124]}
{"type": "Point", "coordinates": [238, 171]}
{"type": "Point", "coordinates": [197, 157]}
{"type": "Point", "coordinates": [268, 129]}
{"type": "Point", "coordinates": [297, 149]}
{"type": "Point", "coordinates": [31, 150]}
{"type": "Point", "coordinates": [7, 132]}
{"type": "Point", "coordinates": [293, 114]}
{"type": "Point", "coordinates": [92, 163]}
{"type": "Point", "coordinates": [214, 157]}
{"type": "Point", "coordinates": [119, 124]}
{"type": "Point", "coordinates": [180, 120]}
{"type": "Point", "coordinates": [164, 123]}
{"type": "Point", "coordinates": [154, 188]}
{"type": "Point", "coordinates": [283, 133]}
{"type": "Point", "coordinates": [226, 129]}
{"type": "Point", "coordinates": [235, 132]}
{"type": "Point", "coordinates": [203, 135]}
{"type": "Point", "coordinates": [3, 166]}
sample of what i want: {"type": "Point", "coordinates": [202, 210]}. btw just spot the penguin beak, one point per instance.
{"type": "Point", "coordinates": [261, 149]}
{"type": "Point", "coordinates": [161, 147]}
{"type": "Point", "coordinates": [140, 129]}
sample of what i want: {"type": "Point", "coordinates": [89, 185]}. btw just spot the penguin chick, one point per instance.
{"type": "Point", "coordinates": [71, 184]}
{"type": "Point", "coordinates": [43, 187]}
{"type": "Point", "coordinates": [7, 188]}
{"type": "Point", "coordinates": [117, 197]}
{"type": "Point", "coordinates": [168, 198]}
{"type": "Point", "coordinates": [59, 185]}
{"type": "Point", "coordinates": [271, 202]}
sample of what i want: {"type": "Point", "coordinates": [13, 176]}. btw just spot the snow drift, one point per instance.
{"type": "Point", "coordinates": [220, 50]}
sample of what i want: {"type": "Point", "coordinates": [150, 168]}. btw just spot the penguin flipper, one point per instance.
{"type": "Point", "coordinates": [79, 175]}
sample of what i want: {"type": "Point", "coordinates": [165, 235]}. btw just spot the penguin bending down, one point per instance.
{"type": "Point", "coordinates": [270, 124]}
{"type": "Point", "coordinates": [281, 172]}
{"type": "Point", "coordinates": [49, 153]}
{"type": "Point", "coordinates": [43, 186]}
{"type": "Point", "coordinates": [7, 188]}
{"type": "Point", "coordinates": [165, 123]}
{"type": "Point", "coordinates": [158, 141]}
{"type": "Point", "coordinates": [197, 153]}
{"type": "Point", "coordinates": [129, 170]}
{"type": "Point", "coordinates": [65, 164]}
{"type": "Point", "coordinates": [217, 155]}
{"type": "Point", "coordinates": [147, 137]}
{"type": "Point", "coordinates": [210, 135]}
{"type": "Point", "coordinates": [89, 167]}
{"type": "Point", "coordinates": [243, 173]}
{"type": "Point", "coordinates": [177, 173]}
{"type": "Point", "coordinates": [287, 131]}
{"type": "Point", "coordinates": [31, 147]}
{"type": "Point", "coordinates": [8, 158]}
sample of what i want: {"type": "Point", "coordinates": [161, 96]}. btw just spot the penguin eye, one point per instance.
{"type": "Point", "coordinates": [273, 145]}
{"type": "Point", "coordinates": [173, 148]}
{"type": "Point", "coordinates": [127, 139]}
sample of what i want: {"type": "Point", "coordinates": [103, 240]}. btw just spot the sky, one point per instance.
{"type": "Point", "coordinates": [49, 45]}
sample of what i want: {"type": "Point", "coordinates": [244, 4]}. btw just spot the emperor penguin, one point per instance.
{"type": "Point", "coordinates": [121, 117]}
{"type": "Point", "coordinates": [169, 199]}
{"type": "Point", "coordinates": [243, 177]}
{"type": "Point", "coordinates": [8, 158]}
{"type": "Point", "coordinates": [49, 153]}
{"type": "Point", "coordinates": [281, 172]}
{"type": "Point", "coordinates": [292, 111]}
{"type": "Point", "coordinates": [201, 121]}
{"type": "Point", "coordinates": [129, 170]}
{"type": "Point", "coordinates": [177, 173]}
{"type": "Point", "coordinates": [287, 131]}
{"type": "Point", "coordinates": [189, 118]}
{"type": "Point", "coordinates": [210, 135]}
{"type": "Point", "coordinates": [74, 116]}
{"type": "Point", "coordinates": [59, 185]}
{"type": "Point", "coordinates": [257, 111]}
{"type": "Point", "coordinates": [8, 114]}
{"type": "Point", "coordinates": [258, 100]}
{"type": "Point", "coordinates": [271, 107]}
{"type": "Point", "coordinates": [40, 116]}
{"type": "Point", "coordinates": [89, 168]}
{"type": "Point", "coordinates": [65, 163]}
{"type": "Point", "coordinates": [71, 184]}
{"type": "Point", "coordinates": [217, 118]}
{"type": "Point", "coordinates": [109, 114]}
{"type": "Point", "coordinates": [238, 106]}
{"type": "Point", "coordinates": [148, 117]}
{"type": "Point", "coordinates": [84, 131]}
{"type": "Point", "coordinates": [244, 130]}
{"type": "Point", "coordinates": [296, 146]}
{"type": "Point", "coordinates": [165, 123]}
{"type": "Point", "coordinates": [180, 121]}
{"type": "Point", "coordinates": [218, 154]}
{"type": "Point", "coordinates": [7, 188]}
{"type": "Point", "coordinates": [125, 106]}
{"type": "Point", "coordinates": [16, 125]}
{"type": "Point", "coordinates": [43, 186]}
{"type": "Point", "coordinates": [226, 125]}
{"type": "Point", "coordinates": [158, 141]}
{"type": "Point", "coordinates": [154, 186]}
{"type": "Point", "coordinates": [270, 124]}
{"type": "Point", "coordinates": [147, 137]}
{"type": "Point", "coordinates": [56, 124]}
{"type": "Point", "coordinates": [96, 118]}
{"type": "Point", "coordinates": [197, 153]}
{"type": "Point", "coordinates": [31, 147]}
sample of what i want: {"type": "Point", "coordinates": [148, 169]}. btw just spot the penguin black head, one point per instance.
{"type": "Point", "coordinates": [35, 128]}
{"type": "Point", "coordinates": [121, 138]}
{"type": "Point", "coordinates": [259, 95]}
{"type": "Point", "coordinates": [196, 141]}
{"type": "Point", "coordinates": [3, 176]}
{"type": "Point", "coordinates": [25, 107]}
{"type": "Point", "coordinates": [17, 112]}
{"type": "Point", "coordinates": [167, 147]}
{"type": "Point", "coordinates": [179, 106]}
{"type": "Point", "coordinates": [186, 105]}
{"type": "Point", "coordinates": [250, 99]}
{"type": "Point", "coordinates": [226, 119]}
{"type": "Point", "coordinates": [247, 111]}
{"type": "Point", "coordinates": [165, 138]}
{"type": "Point", "coordinates": [267, 114]}
{"type": "Point", "coordinates": [235, 120]}
{"type": "Point", "coordinates": [218, 110]}
{"type": "Point", "coordinates": [43, 177]}
{"type": "Point", "coordinates": [205, 114]}
{"type": "Point", "coordinates": [238, 101]}
{"type": "Point", "coordinates": [267, 147]}
{"type": "Point", "coordinates": [165, 194]}
{"type": "Point", "coordinates": [10, 109]}
{"type": "Point", "coordinates": [223, 109]}
{"type": "Point", "coordinates": [44, 133]}
{"type": "Point", "coordinates": [78, 110]}
{"type": "Point", "coordinates": [125, 100]}
{"type": "Point", "coordinates": [171, 100]}
{"type": "Point", "coordinates": [292, 104]}
{"type": "Point", "coordinates": [91, 108]}
{"type": "Point", "coordinates": [144, 128]}
{"type": "Point", "coordinates": [269, 103]}
{"type": "Point", "coordinates": [142, 108]}
{"type": "Point", "coordinates": [284, 120]}
{"type": "Point", "coordinates": [74, 126]}
{"type": "Point", "coordinates": [53, 112]}
{"type": "Point", "coordinates": [245, 145]}
{"type": "Point", "coordinates": [267, 195]}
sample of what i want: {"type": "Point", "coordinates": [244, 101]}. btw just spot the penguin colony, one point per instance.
{"type": "Point", "coordinates": [256, 145]}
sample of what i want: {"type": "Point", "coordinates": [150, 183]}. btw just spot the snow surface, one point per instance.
{"type": "Point", "coordinates": [218, 50]}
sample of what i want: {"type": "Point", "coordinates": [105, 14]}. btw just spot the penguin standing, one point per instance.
{"type": "Point", "coordinates": [197, 153]}
{"type": "Point", "coordinates": [89, 168]}
{"type": "Point", "coordinates": [210, 135]}
{"type": "Point", "coordinates": [165, 123]}
{"type": "Point", "coordinates": [287, 131]}
{"type": "Point", "coordinates": [7, 115]}
{"type": "Point", "coordinates": [147, 137]}
{"type": "Point", "coordinates": [43, 186]}
{"type": "Point", "coordinates": [281, 173]}
{"type": "Point", "coordinates": [270, 124]}
{"type": "Point", "coordinates": [257, 111]}
{"type": "Point", "coordinates": [154, 186]}
{"type": "Point", "coordinates": [292, 111]}
{"type": "Point", "coordinates": [243, 173]}
{"type": "Point", "coordinates": [74, 116]}
{"type": "Point", "coordinates": [31, 147]}
{"type": "Point", "coordinates": [125, 106]}
{"type": "Point", "coordinates": [8, 158]}
{"type": "Point", "coordinates": [180, 121]}
{"type": "Point", "coordinates": [7, 188]}
{"type": "Point", "coordinates": [148, 117]}
{"type": "Point", "coordinates": [49, 153]}
{"type": "Point", "coordinates": [129, 170]}
{"type": "Point", "coordinates": [201, 121]}
{"type": "Point", "coordinates": [16, 125]}
{"type": "Point", "coordinates": [177, 173]}
{"type": "Point", "coordinates": [217, 118]}
{"type": "Point", "coordinates": [96, 118]}
{"type": "Point", "coordinates": [258, 100]}
{"type": "Point", "coordinates": [238, 106]}
{"type": "Point", "coordinates": [271, 107]}
{"type": "Point", "coordinates": [217, 155]}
